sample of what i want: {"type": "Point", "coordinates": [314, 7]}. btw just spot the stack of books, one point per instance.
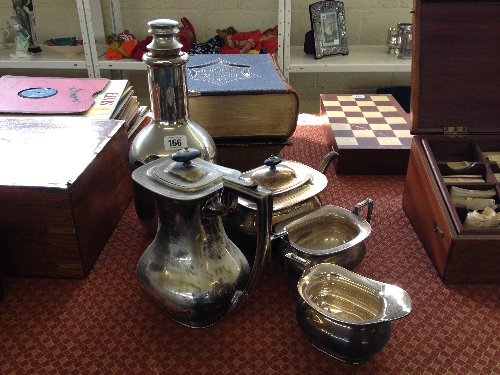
{"type": "Point", "coordinates": [118, 102]}
{"type": "Point", "coordinates": [128, 108]}
{"type": "Point", "coordinates": [70, 98]}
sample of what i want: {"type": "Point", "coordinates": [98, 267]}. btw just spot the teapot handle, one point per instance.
{"type": "Point", "coordinates": [264, 200]}
{"type": "Point", "coordinates": [327, 159]}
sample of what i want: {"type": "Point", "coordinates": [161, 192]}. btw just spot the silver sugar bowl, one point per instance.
{"type": "Point", "coordinates": [328, 234]}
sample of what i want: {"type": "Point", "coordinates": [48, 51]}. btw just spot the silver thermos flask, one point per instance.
{"type": "Point", "coordinates": [171, 128]}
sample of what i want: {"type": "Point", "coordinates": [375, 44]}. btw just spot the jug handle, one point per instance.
{"type": "Point", "coordinates": [327, 159]}
{"type": "Point", "coordinates": [264, 201]}
{"type": "Point", "coordinates": [303, 262]}
{"type": "Point", "coordinates": [367, 202]}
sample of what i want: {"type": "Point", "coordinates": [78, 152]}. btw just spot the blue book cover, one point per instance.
{"type": "Point", "coordinates": [234, 74]}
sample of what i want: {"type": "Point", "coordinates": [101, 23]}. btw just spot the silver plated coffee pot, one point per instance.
{"type": "Point", "coordinates": [192, 270]}
{"type": "Point", "coordinates": [171, 129]}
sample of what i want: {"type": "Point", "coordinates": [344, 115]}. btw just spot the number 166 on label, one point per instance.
{"type": "Point", "coordinates": [175, 142]}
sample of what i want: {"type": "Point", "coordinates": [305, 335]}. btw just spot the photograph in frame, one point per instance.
{"type": "Point", "coordinates": [328, 25]}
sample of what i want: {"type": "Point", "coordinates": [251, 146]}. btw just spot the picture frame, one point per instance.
{"type": "Point", "coordinates": [329, 29]}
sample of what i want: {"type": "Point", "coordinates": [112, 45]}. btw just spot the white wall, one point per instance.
{"type": "Point", "coordinates": [366, 22]}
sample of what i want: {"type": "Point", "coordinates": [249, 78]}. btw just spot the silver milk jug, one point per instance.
{"type": "Point", "coordinates": [345, 315]}
{"type": "Point", "coordinates": [170, 129]}
{"type": "Point", "coordinates": [192, 270]}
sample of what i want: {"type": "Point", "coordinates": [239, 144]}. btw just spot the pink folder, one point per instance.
{"type": "Point", "coordinates": [46, 95]}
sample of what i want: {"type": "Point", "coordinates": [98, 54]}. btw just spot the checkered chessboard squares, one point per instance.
{"type": "Point", "coordinates": [367, 121]}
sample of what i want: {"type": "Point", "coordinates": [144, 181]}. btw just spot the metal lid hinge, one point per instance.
{"type": "Point", "coordinates": [455, 131]}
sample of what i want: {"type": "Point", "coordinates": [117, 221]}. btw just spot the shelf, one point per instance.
{"type": "Point", "coordinates": [367, 58]}
{"type": "Point", "coordinates": [47, 59]}
{"type": "Point", "coordinates": [127, 63]}
{"type": "Point", "coordinates": [360, 59]}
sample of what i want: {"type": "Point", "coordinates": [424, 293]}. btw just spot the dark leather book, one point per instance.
{"type": "Point", "coordinates": [241, 96]}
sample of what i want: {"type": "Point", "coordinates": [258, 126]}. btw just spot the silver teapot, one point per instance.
{"type": "Point", "coordinates": [345, 315]}
{"type": "Point", "coordinates": [191, 269]}
{"type": "Point", "coordinates": [295, 188]}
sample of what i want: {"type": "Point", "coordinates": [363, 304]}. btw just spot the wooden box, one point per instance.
{"type": "Point", "coordinates": [63, 188]}
{"type": "Point", "coordinates": [370, 132]}
{"type": "Point", "coordinates": [455, 116]}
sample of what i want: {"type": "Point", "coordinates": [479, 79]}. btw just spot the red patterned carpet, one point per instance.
{"type": "Point", "coordinates": [106, 325]}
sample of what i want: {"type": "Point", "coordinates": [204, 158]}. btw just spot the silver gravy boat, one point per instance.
{"type": "Point", "coordinates": [328, 234]}
{"type": "Point", "coordinates": [345, 315]}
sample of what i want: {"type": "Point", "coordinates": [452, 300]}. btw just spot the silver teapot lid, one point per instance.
{"type": "Point", "coordinates": [277, 176]}
{"type": "Point", "coordinates": [290, 183]}
{"type": "Point", "coordinates": [183, 176]}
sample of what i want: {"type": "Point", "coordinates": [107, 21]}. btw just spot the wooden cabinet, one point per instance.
{"type": "Point", "coordinates": [454, 116]}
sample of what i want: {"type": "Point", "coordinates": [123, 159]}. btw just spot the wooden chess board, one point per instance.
{"type": "Point", "coordinates": [371, 133]}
